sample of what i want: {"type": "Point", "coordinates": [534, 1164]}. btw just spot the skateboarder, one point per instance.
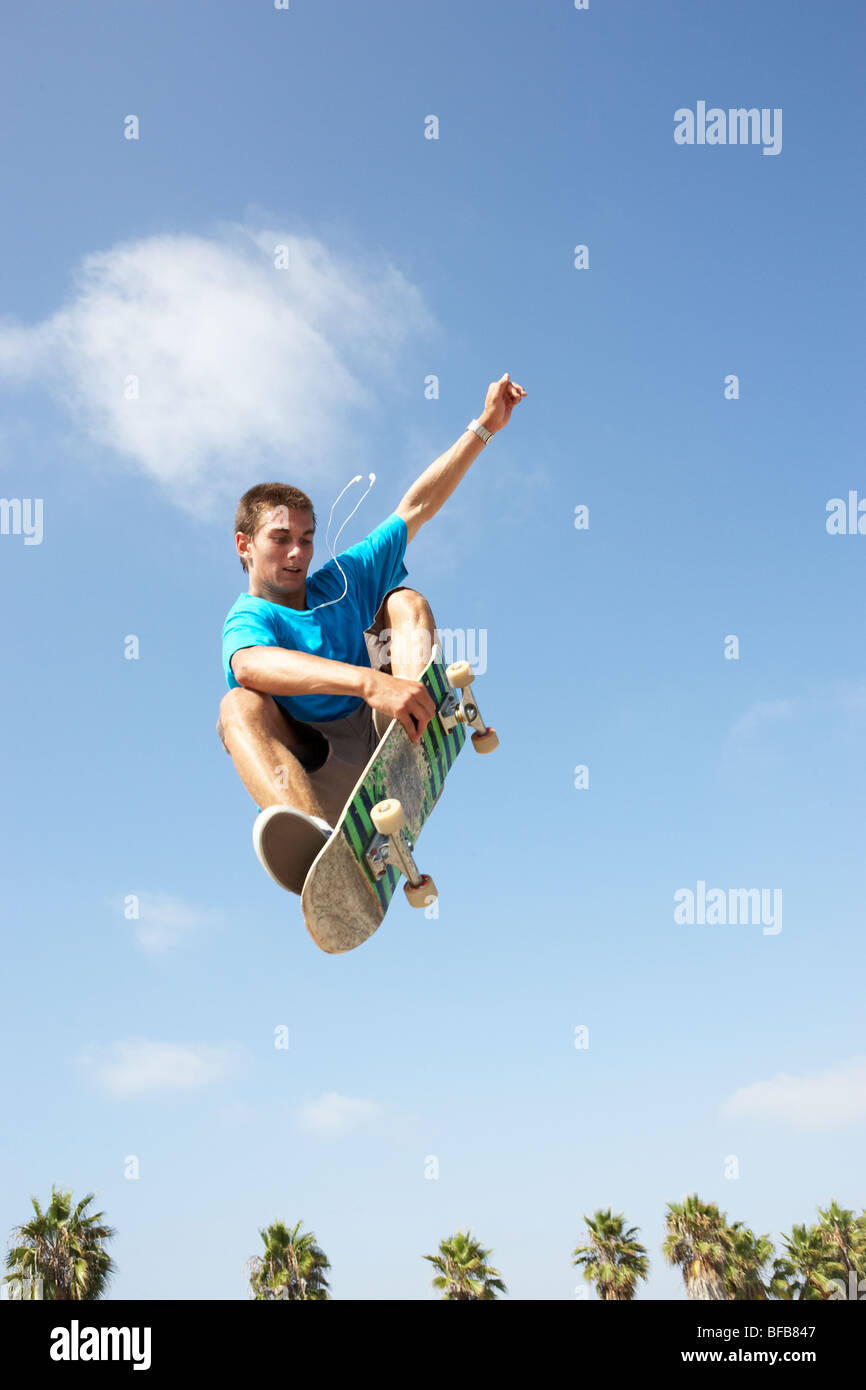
{"type": "Point", "coordinates": [319, 664]}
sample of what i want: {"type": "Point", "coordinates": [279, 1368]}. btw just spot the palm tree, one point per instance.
{"type": "Point", "coordinates": [463, 1269]}
{"type": "Point", "coordinates": [292, 1267]}
{"type": "Point", "coordinates": [613, 1260]}
{"type": "Point", "coordinates": [807, 1269]}
{"type": "Point", "coordinates": [845, 1237]}
{"type": "Point", "coordinates": [749, 1254]}
{"type": "Point", "coordinates": [858, 1248]}
{"type": "Point", "coordinates": [699, 1241]}
{"type": "Point", "coordinates": [63, 1248]}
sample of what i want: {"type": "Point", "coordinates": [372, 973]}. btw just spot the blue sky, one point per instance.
{"type": "Point", "coordinates": [409, 258]}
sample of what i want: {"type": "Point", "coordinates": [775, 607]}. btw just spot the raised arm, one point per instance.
{"type": "Point", "coordinates": [436, 483]}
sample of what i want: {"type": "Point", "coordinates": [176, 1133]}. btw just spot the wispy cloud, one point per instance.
{"type": "Point", "coordinates": [760, 716]}
{"type": "Point", "coordinates": [164, 922]}
{"type": "Point", "coordinates": [332, 1114]}
{"type": "Point", "coordinates": [818, 1101]}
{"type": "Point", "coordinates": [241, 368]}
{"type": "Point", "coordinates": [140, 1066]}
{"type": "Point", "coordinates": [845, 698]}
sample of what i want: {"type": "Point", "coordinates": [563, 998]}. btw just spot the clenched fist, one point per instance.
{"type": "Point", "coordinates": [502, 396]}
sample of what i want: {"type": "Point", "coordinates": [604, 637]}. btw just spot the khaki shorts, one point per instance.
{"type": "Point", "coordinates": [341, 748]}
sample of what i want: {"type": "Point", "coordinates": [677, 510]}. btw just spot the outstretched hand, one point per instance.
{"type": "Point", "coordinates": [502, 397]}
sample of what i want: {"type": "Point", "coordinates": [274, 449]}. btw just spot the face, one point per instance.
{"type": "Point", "coordinates": [279, 555]}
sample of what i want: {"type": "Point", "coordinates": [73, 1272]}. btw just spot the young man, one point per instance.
{"type": "Point", "coordinates": [319, 664]}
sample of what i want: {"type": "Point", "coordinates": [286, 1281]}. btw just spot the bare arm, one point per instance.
{"type": "Point", "coordinates": [279, 671]}
{"type": "Point", "coordinates": [436, 483]}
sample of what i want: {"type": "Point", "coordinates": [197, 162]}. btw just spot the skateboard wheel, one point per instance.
{"type": "Point", "coordinates": [460, 673]}
{"type": "Point", "coordinates": [388, 816]}
{"type": "Point", "coordinates": [485, 743]}
{"type": "Point", "coordinates": [420, 894]}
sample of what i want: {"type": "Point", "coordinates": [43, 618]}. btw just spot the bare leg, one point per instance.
{"type": "Point", "coordinates": [413, 631]}
{"type": "Point", "coordinates": [258, 738]}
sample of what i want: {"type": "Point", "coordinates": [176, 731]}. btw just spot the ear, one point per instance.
{"type": "Point", "coordinates": [243, 547]}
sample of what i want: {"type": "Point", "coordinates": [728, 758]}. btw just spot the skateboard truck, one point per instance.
{"type": "Point", "coordinates": [392, 845]}
{"type": "Point", "coordinates": [465, 710]}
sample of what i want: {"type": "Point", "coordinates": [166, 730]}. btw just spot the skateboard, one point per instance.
{"type": "Point", "coordinates": [353, 878]}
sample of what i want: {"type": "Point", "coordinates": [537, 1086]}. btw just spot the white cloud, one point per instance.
{"type": "Point", "coordinates": [132, 1068]}
{"type": "Point", "coordinates": [843, 698]}
{"type": "Point", "coordinates": [758, 717]}
{"type": "Point", "coordinates": [164, 922]}
{"type": "Point", "coordinates": [245, 371]}
{"type": "Point", "coordinates": [820, 1101]}
{"type": "Point", "coordinates": [333, 1114]}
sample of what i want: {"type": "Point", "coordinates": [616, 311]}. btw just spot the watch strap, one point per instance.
{"type": "Point", "coordinates": [483, 434]}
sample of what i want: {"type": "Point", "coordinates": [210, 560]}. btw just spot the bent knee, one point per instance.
{"type": "Point", "coordinates": [238, 702]}
{"type": "Point", "coordinates": [241, 706]}
{"type": "Point", "coordinates": [406, 603]}
{"type": "Point", "coordinates": [404, 597]}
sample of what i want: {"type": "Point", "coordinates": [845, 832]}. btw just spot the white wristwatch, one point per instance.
{"type": "Point", "coordinates": [482, 433]}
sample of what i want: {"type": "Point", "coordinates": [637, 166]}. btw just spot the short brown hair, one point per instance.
{"type": "Point", "coordinates": [259, 499]}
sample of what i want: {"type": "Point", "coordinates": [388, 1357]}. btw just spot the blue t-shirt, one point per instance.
{"type": "Point", "coordinates": [372, 567]}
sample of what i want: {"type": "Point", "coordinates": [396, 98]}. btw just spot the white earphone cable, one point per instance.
{"type": "Point", "coordinates": [333, 549]}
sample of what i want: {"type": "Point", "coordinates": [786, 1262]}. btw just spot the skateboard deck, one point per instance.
{"type": "Point", "coordinates": [343, 901]}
